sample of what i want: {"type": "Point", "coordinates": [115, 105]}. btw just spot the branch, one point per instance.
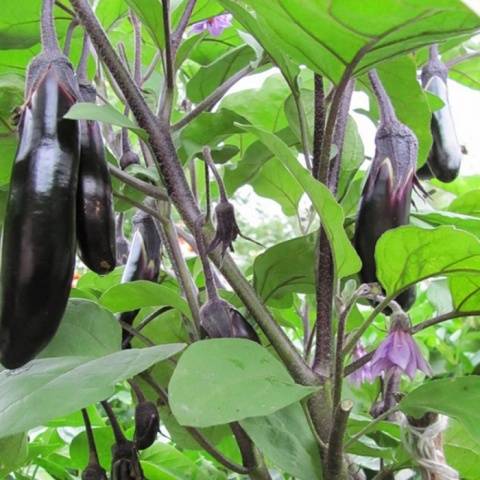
{"type": "Point", "coordinates": [196, 434]}
{"type": "Point", "coordinates": [137, 62]}
{"type": "Point", "coordinates": [93, 454]}
{"type": "Point", "coordinates": [336, 465]}
{"type": "Point", "coordinates": [148, 319]}
{"type": "Point", "coordinates": [151, 67]}
{"type": "Point", "coordinates": [209, 102]}
{"type": "Point", "coordinates": [302, 122]}
{"type": "Point", "coordinates": [139, 205]}
{"type": "Point", "coordinates": [166, 100]}
{"type": "Point", "coordinates": [455, 61]}
{"type": "Point", "coordinates": [141, 186]}
{"type": "Point", "coordinates": [68, 36]}
{"type": "Point", "coordinates": [182, 24]}
{"type": "Point", "coordinates": [133, 331]}
{"type": "Point", "coordinates": [49, 38]}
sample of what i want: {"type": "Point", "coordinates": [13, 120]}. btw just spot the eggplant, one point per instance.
{"type": "Point", "coordinates": [386, 197]}
{"type": "Point", "coordinates": [144, 259]}
{"type": "Point", "coordinates": [147, 424]}
{"type": "Point", "coordinates": [445, 157]}
{"type": "Point", "coordinates": [95, 214]}
{"type": "Point", "coordinates": [38, 252]}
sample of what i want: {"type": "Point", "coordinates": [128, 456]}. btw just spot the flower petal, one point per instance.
{"type": "Point", "coordinates": [421, 363]}
{"type": "Point", "coordinates": [199, 27]}
{"type": "Point", "coordinates": [399, 353]}
{"type": "Point", "coordinates": [381, 365]}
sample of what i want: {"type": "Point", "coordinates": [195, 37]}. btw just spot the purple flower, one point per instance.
{"type": "Point", "coordinates": [364, 373]}
{"type": "Point", "coordinates": [215, 25]}
{"type": "Point", "coordinates": [399, 350]}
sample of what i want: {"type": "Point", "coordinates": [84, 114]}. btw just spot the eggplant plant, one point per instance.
{"type": "Point", "coordinates": [204, 274]}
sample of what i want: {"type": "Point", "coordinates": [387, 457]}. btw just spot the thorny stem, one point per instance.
{"type": "Point", "coordinates": [137, 63]}
{"type": "Point", "coordinates": [166, 100]}
{"type": "Point", "coordinates": [207, 192]}
{"type": "Point", "coordinates": [196, 434]}
{"type": "Point", "coordinates": [319, 124]}
{"type": "Point", "coordinates": [140, 185]}
{"type": "Point", "coordinates": [180, 194]}
{"type": "Point", "coordinates": [209, 102]}
{"type": "Point", "coordinates": [387, 113]}
{"type": "Point", "coordinates": [207, 155]}
{"type": "Point", "coordinates": [336, 465]}
{"type": "Point", "coordinates": [49, 38]}
{"type": "Point", "coordinates": [368, 427]}
{"type": "Point", "coordinates": [117, 431]}
{"type": "Point", "coordinates": [93, 455]}
{"type": "Point", "coordinates": [338, 370]}
{"type": "Point", "coordinates": [68, 36]}
{"type": "Point", "coordinates": [82, 64]}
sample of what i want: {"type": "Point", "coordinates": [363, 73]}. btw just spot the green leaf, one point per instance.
{"type": "Point", "coordinates": [125, 297]}
{"type": "Point", "coordinates": [150, 14]}
{"type": "Point", "coordinates": [409, 254]}
{"type": "Point", "coordinates": [465, 292]}
{"type": "Point", "coordinates": [463, 222]}
{"type": "Point", "coordinates": [208, 129]}
{"type": "Point", "coordinates": [345, 258]}
{"type": "Point", "coordinates": [255, 157]}
{"type": "Point", "coordinates": [287, 440]}
{"type": "Point", "coordinates": [210, 77]}
{"type": "Point", "coordinates": [104, 440]}
{"type": "Point", "coordinates": [51, 387]}
{"type": "Point", "coordinates": [468, 203]}
{"type": "Point", "coordinates": [467, 73]}
{"type": "Point", "coordinates": [251, 104]}
{"type": "Point", "coordinates": [443, 396]}
{"type": "Point", "coordinates": [326, 36]}
{"type": "Point", "coordinates": [105, 114]}
{"type": "Point", "coordinates": [232, 379]}
{"type": "Point", "coordinates": [13, 453]}
{"type": "Point", "coordinates": [286, 267]}
{"type": "Point", "coordinates": [86, 330]}
{"type": "Point", "coordinates": [461, 451]}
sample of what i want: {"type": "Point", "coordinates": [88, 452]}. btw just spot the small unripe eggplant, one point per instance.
{"type": "Point", "coordinates": [144, 259]}
{"type": "Point", "coordinates": [445, 157]}
{"type": "Point", "coordinates": [218, 319]}
{"type": "Point", "coordinates": [147, 424]}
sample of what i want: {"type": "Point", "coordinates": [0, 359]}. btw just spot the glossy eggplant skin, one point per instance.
{"type": "Point", "coordinates": [95, 213]}
{"type": "Point", "coordinates": [445, 156]}
{"type": "Point", "coordinates": [386, 197]}
{"type": "Point", "coordinates": [38, 251]}
{"type": "Point", "coordinates": [144, 258]}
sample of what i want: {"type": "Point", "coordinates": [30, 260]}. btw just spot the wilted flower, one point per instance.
{"type": "Point", "coordinates": [399, 351]}
{"type": "Point", "coordinates": [227, 228]}
{"type": "Point", "coordinates": [215, 25]}
{"type": "Point", "coordinates": [364, 373]}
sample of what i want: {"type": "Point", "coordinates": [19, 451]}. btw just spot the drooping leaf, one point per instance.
{"type": "Point", "coordinates": [63, 385]}
{"type": "Point", "coordinates": [346, 259]}
{"type": "Point", "coordinates": [232, 379]}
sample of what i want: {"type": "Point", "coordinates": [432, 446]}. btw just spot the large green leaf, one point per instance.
{"type": "Point", "coordinates": [86, 330]}
{"type": "Point", "coordinates": [125, 297]}
{"type": "Point", "coordinates": [469, 202]}
{"type": "Point", "coordinates": [327, 35]}
{"type": "Point", "coordinates": [465, 290]}
{"type": "Point", "coordinates": [464, 222]}
{"type": "Point", "coordinates": [13, 453]}
{"type": "Point", "coordinates": [287, 440]}
{"type": "Point", "coordinates": [406, 255]}
{"type": "Point", "coordinates": [211, 76]}
{"type": "Point", "coordinates": [232, 379]}
{"type": "Point", "coordinates": [48, 388]}
{"type": "Point", "coordinates": [467, 73]}
{"type": "Point", "coordinates": [345, 258]}
{"type": "Point", "coordinates": [286, 267]}
{"type": "Point", "coordinates": [456, 397]}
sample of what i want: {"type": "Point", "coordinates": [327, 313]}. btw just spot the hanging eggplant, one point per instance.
{"type": "Point", "coordinates": [38, 251]}
{"type": "Point", "coordinates": [144, 259]}
{"type": "Point", "coordinates": [445, 157]}
{"type": "Point", "coordinates": [386, 197]}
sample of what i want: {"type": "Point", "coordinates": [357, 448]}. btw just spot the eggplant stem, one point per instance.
{"type": "Point", "coordinates": [48, 34]}
{"type": "Point", "coordinates": [93, 454]}
{"type": "Point", "coordinates": [117, 431]}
